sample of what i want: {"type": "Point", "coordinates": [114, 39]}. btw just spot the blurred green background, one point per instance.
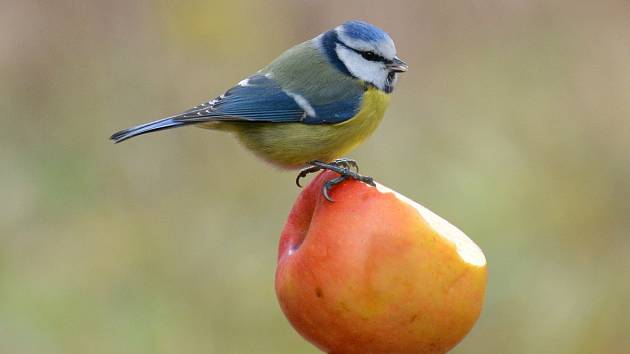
{"type": "Point", "coordinates": [513, 123]}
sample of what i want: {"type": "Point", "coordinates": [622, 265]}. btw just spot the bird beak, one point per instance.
{"type": "Point", "coordinates": [397, 65]}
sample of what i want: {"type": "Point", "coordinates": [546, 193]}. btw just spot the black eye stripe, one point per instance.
{"type": "Point", "coordinates": [371, 56]}
{"type": "Point", "coordinates": [367, 55]}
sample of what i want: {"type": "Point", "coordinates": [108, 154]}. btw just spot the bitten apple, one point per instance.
{"type": "Point", "coordinates": [375, 272]}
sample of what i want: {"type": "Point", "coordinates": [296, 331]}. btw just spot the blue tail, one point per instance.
{"type": "Point", "coordinates": [161, 124]}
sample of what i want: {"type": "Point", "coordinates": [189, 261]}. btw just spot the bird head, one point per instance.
{"type": "Point", "coordinates": [365, 52]}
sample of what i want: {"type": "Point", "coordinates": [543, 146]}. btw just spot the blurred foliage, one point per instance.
{"type": "Point", "coordinates": [513, 123]}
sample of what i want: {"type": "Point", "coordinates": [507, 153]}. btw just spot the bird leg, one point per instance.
{"type": "Point", "coordinates": [341, 166]}
{"type": "Point", "coordinates": [318, 166]}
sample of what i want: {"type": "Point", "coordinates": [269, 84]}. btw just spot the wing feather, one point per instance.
{"type": "Point", "coordinates": [261, 99]}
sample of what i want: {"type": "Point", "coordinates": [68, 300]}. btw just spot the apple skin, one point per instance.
{"type": "Point", "coordinates": [375, 272]}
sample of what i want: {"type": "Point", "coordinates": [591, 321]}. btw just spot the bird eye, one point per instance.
{"type": "Point", "coordinates": [371, 56]}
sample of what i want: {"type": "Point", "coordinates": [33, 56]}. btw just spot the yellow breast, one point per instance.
{"type": "Point", "coordinates": [292, 145]}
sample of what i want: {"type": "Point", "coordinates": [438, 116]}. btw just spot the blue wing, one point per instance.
{"type": "Point", "coordinates": [261, 99]}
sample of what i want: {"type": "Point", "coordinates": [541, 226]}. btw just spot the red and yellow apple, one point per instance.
{"type": "Point", "coordinates": [375, 272]}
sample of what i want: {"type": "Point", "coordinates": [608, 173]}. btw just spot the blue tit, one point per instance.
{"type": "Point", "coordinates": [314, 103]}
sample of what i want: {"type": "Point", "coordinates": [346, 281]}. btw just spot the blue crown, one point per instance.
{"type": "Point", "coordinates": [364, 31]}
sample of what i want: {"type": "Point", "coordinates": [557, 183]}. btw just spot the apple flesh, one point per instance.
{"type": "Point", "coordinates": [375, 272]}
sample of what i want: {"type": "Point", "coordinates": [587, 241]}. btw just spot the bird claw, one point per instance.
{"type": "Point", "coordinates": [329, 184]}
{"type": "Point", "coordinates": [368, 180]}
{"type": "Point", "coordinates": [344, 167]}
{"type": "Point", "coordinates": [305, 172]}
{"type": "Point", "coordinates": [347, 163]}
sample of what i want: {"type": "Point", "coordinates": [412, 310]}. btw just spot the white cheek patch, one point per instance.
{"type": "Point", "coordinates": [370, 71]}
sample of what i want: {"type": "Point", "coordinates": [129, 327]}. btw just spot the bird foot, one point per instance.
{"type": "Point", "coordinates": [344, 167]}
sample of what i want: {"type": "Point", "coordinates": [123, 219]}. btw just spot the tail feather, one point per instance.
{"type": "Point", "coordinates": [166, 123]}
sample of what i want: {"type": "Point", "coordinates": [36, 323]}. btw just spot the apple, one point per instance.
{"type": "Point", "coordinates": [375, 272]}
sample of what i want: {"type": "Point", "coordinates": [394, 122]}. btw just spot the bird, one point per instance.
{"type": "Point", "coordinates": [309, 107]}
